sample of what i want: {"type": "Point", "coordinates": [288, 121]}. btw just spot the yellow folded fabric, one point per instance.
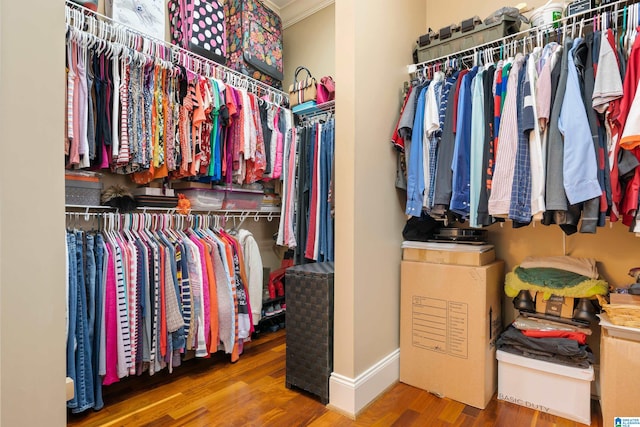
{"type": "Point", "coordinates": [585, 289]}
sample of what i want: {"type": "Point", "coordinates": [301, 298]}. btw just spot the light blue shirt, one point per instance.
{"type": "Point", "coordinates": [580, 174]}
{"type": "Point", "coordinates": [415, 168]}
{"type": "Point", "coordinates": [477, 148]}
{"type": "Point", "coordinates": [462, 152]}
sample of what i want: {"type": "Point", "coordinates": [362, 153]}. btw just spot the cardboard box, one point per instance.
{"type": "Point", "coordinates": [555, 305]}
{"type": "Point", "coordinates": [619, 379]}
{"type": "Point", "coordinates": [624, 299]}
{"type": "Point", "coordinates": [448, 253]}
{"type": "Point", "coordinates": [450, 317]}
{"type": "Point", "coordinates": [546, 387]}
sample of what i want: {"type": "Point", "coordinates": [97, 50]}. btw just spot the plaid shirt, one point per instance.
{"type": "Point", "coordinates": [520, 207]}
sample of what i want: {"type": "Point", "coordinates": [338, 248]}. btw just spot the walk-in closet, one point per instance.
{"type": "Point", "coordinates": [191, 191]}
{"type": "Point", "coordinates": [189, 236]}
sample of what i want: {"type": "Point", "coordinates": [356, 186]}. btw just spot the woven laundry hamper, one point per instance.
{"type": "Point", "coordinates": [310, 328]}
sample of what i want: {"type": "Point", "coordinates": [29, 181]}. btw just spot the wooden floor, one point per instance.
{"type": "Point", "coordinates": [251, 392]}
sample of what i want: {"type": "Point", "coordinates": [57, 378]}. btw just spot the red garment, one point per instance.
{"type": "Point", "coordinates": [497, 113]}
{"type": "Point", "coordinates": [396, 139]}
{"type": "Point", "coordinates": [212, 338]}
{"type": "Point", "coordinates": [313, 218]}
{"type": "Point", "coordinates": [580, 337]}
{"type": "Point", "coordinates": [163, 305]}
{"type": "Point", "coordinates": [111, 326]}
{"type": "Point", "coordinates": [456, 97]}
{"type": "Point", "coordinates": [627, 203]}
{"type": "Point", "coordinates": [256, 167]}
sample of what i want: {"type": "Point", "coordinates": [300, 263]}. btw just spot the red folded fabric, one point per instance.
{"type": "Point", "coordinates": [578, 336]}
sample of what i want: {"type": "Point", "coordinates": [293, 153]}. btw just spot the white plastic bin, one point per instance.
{"type": "Point", "coordinates": [547, 387]}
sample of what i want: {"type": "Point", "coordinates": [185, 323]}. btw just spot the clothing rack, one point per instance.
{"type": "Point", "coordinates": [510, 44]}
{"type": "Point", "coordinates": [77, 212]}
{"type": "Point", "coordinates": [324, 110]}
{"type": "Point", "coordinates": [117, 39]}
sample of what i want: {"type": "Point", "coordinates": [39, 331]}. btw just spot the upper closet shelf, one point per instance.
{"type": "Point", "coordinates": [525, 40]}
{"type": "Point", "coordinates": [326, 108]}
{"type": "Point", "coordinates": [265, 212]}
{"type": "Point", "coordinates": [90, 27]}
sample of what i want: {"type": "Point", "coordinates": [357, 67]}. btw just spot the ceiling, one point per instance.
{"type": "Point", "coordinates": [294, 11]}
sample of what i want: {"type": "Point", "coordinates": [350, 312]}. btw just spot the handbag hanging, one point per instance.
{"type": "Point", "coordinates": [326, 90]}
{"type": "Point", "coordinates": [302, 91]}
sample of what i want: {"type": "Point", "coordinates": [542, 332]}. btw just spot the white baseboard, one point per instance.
{"type": "Point", "coordinates": [349, 396]}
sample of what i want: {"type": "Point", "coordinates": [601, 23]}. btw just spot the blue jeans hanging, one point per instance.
{"type": "Point", "coordinates": [91, 288]}
{"type": "Point", "coordinates": [330, 146]}
{"type": "Point", "coordinates": [73, 311]}
{"type": "Point", "coordinates": [97, 325]}
{"type": "Point", "coordinates": [84, 371]}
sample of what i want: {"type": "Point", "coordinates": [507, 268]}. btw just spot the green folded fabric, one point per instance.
{"type": "Point", "coordinates": [583, 289]}
{"type": "Point", "coordinates": [549, 277]}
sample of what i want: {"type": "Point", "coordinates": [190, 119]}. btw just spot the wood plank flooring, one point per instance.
{"type": "Point", "coordinates": [251, 392]}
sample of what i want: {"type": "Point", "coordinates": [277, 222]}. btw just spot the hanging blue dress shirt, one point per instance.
{"type": "Point", "coordinates": [461, 164]}
{"type": "Point", "coordinates": [580, 176]}
{"type": "Point", "coordinates": [415, 169]}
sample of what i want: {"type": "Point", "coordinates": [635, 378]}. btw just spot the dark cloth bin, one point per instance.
{"type": "Point", "coordinates": [309, 361]}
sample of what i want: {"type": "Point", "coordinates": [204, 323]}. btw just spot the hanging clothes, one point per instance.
{"type": "Point", "coordinates": [539, 136]}
{"type": "Point", "coordinates": [142, 116]}
{"type": "Point", "coordinates": [307, 221]}
{"type": "Point", "coordinates": [140, 298]}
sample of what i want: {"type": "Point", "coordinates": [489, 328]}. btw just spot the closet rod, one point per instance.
{"type": "Point", "coordinates": [237, 213]}
{"type": "Point", "coordinates": [412, 68]}
{"type": "Point", "coordinates": [279, 95]}
{"type": "Point", "coordinates": [327, 108]}
{"type": "Point", "coordinates": [242, 215]}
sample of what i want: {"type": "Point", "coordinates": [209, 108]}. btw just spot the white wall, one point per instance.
{"type": "Point", "coordinates": [311, 43]}
{"type": "Point", "coordinates": [32, 297]}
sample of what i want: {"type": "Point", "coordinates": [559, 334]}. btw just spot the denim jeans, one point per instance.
{"type": "Point", "coordinates": [97, 324]}
{"type": "Point", "coordinates": [330, 147]}
{"type": "Point", "coordinates": [308, 186]}
{"type": "Point", "coordinates": [90, 283]}
{"type": "Point", "coordinates": [73, 311]}
{"type": "Point", "coordinates": [84, 371]}
{"type": "Point", "coordinates": [323, 196]}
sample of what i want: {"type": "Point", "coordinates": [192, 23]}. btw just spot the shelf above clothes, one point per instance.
{"type": "Point", "coordinates": [597, 17]}
{"type": "Point", "coordinates": [326, 109]}
{"type": "Point", "coordinates": [88, 212]}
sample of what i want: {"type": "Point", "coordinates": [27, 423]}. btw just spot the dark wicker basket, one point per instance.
{"type": "Point", "coordinates": [310, 328]}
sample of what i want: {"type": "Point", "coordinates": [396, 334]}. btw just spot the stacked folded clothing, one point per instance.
{"type": "Point", "coordinates": [563, 276]}
{"type": "Point", "coordinates": [546, 346]}
{"type": "Point", "coordinates": [555, 297]}
{"type": "Point", "coordinates": [548, 341]}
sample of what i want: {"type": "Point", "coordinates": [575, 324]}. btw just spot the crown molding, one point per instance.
{"type": "Point", "coordinates": [297, 10]}
{"type": "Point", "coordinates": [271, 5]}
